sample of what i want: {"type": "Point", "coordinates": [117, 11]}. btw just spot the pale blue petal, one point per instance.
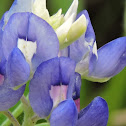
{"type": "Point", "coordinates": [47, 42]}
{"type": "Point", "coordinates": [111, 59]}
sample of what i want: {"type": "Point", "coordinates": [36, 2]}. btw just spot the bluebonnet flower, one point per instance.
{"type": "Point", "coordinates": [49, 84]}
{"type": "Point", "coordinates": [29, 33]}
{"type": "Point", "coordinates": [95, 65]}
{"type": "Point", "coordinates": [58, 94]}
{"type": "Point", "coordinates": [27, 40]}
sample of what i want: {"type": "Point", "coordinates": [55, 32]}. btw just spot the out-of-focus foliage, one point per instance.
{"type": "Point", "coordinates": [107, 18]}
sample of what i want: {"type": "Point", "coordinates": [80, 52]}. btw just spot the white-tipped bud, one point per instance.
{"type": "Point", "coordinates": [72, 9]}
{"type": "Point", "coordinates": [63, 29]}
{"type": "Point", "coordinates": [77, 29]}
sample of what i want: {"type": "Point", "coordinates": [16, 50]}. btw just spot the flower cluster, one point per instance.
{"type": "Point", "coordinates": [54, 53]}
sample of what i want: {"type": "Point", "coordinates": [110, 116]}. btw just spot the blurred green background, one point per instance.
{"type": "Point", "coordinates": [108, 18]}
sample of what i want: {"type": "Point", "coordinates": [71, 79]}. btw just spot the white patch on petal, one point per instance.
{"type": "Point", "coordinates": [28, 48]}
{"type": "Point", "coordinates": [72, 9]}
{"type": "Point", "coordinates": [58, 94]}
{"type": "Point", "coordinates": [95, 49]}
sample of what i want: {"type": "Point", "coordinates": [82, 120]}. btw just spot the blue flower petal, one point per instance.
{"type": "Point", "coordinates": [67, 68]}
{"type": "Point", "coordinates": [17, 27]}
{"type": "Point", "coordinates": [79, 49]}
{"type": "Point", "coordinates": [74, 87]}
{"type": "Point", "coordinates": [47, 41]}
{"type": "Point", "coordinates": [65, 114]}
{"type": "Point", "coordinates": [111, 60]}
{"type": "Point", "coordinates": [18, 70]}
{"type": "Point", "coordinates": [9, 97]}
{"type": "Point", "coordinates": [47, 74]}
{"type": "Point", "coordinates": [90, 34]}
{"type": "Point", "coordinates": [95, 114]}
{"type": "Point", "coordinates": [3, 66]}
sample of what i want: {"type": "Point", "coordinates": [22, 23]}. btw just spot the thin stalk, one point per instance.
{"type": "Point", "coordinates": [35, 118]}
{"type": "Point", "coordinates": [28, 113]}
{"type": "Point", "coordinates": [24, 101]}
{"type": "Point", "coordinates": [11, 118]}
{"type": "Point", "coordinates": [15, 113]}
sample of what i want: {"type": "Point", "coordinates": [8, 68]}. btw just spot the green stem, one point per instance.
{"type": "Point", "coordinates": [15, 113]}
{"type": "Point", "coordinates": [24, 101]}
{"type": "Point", "coordinates": [35, 118]}
{"type": "Point", "coordinates": [28, 113]}
{"type": "Point", "coordinates": [11, 118]}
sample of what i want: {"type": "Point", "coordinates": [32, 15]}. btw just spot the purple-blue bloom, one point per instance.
{"type": "Point", "coordinates": [49, 84]}
{"type": "Point", "coordinates": [33, 36]}
{"type": "Point", "coordinates": [26, 40]}
{"type": "Point", "coordinates": [95, 65]}
{"type": "Point", "coordinates": [58, 94]}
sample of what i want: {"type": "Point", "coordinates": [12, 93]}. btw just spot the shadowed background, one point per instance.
{"type": "Point", "coordinates": [108, 20]}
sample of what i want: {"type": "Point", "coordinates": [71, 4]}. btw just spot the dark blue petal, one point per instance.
{"type": "Point", "coordinates": [111, 59]}
{"type": "Point", "coordinates": [67, 68]}
{"type": "Point", "coordinates": [47, 41]}
{"type": "Point", "coordinates": [47, 74]}
{"type": "Point", "coordinates": [74, 87]}
{"type": "Point", "coordinates": [3, 66]}
{"type": "Point", "coordinates": [95, 114]}
{"type": "Point", "coordinates": [9, 97]}
{"type": "Point", "coordinates": [90, 34]}
{"type": "Point", "coordinates": [17, 27]}
{"type": "Point", "coordinates": [65, 114]}
{"type": "Point", "coordinates": [18, 70]}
